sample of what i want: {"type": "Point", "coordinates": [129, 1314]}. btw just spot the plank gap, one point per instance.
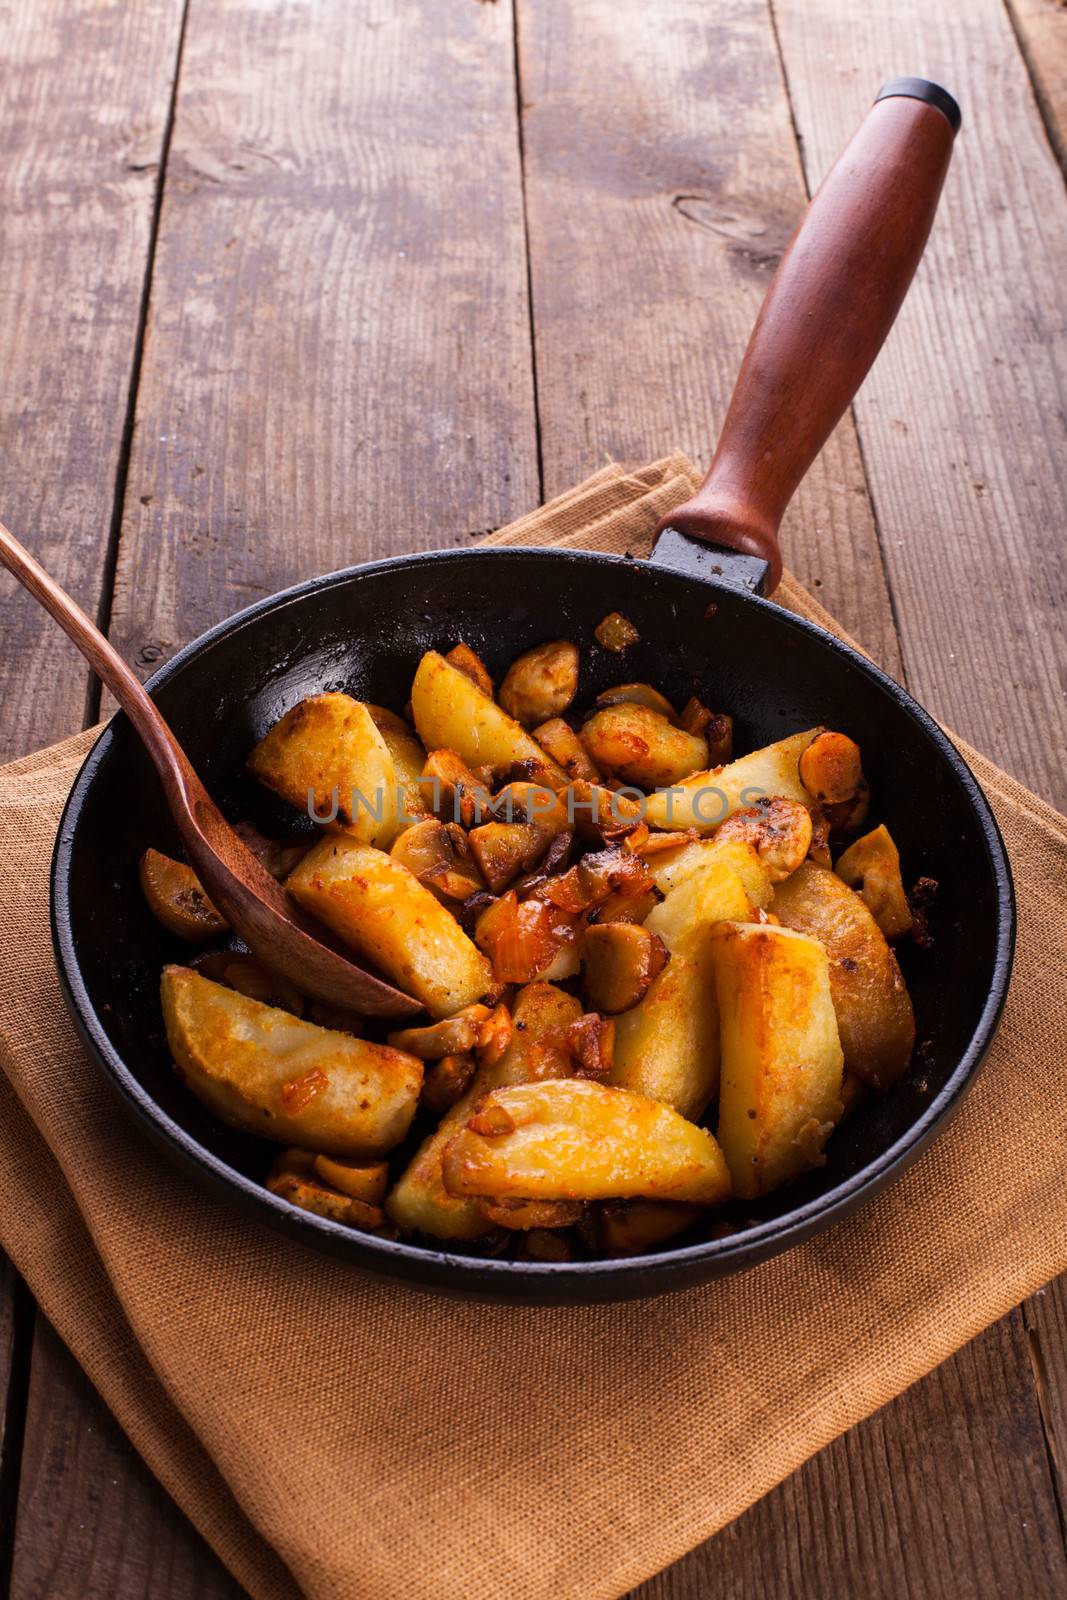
{"type": "Point", "coordinates": [21, 1315]}
{"type": "Point", "coordinates": [517, 66]}
{"type": "Point", "coordinates": [1041, 90]}
{"type": "Point", "coordinates": [1039, 1369]}
{"type": "Point", "coordinates": [94, 688]}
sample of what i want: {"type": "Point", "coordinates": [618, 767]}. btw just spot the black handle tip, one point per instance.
{"type": "Point", "coordinates": [923, 89]}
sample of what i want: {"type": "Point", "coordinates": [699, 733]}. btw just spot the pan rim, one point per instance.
{"type": "Point", "coordinates": [439, 1269]}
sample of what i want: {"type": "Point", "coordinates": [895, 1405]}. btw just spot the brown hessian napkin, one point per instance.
{"type": "Point", "coordinates": [337, 1436]}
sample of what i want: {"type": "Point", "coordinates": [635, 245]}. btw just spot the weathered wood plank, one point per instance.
{"type": "Point", "coordinates": [962, 420]}
{"type": "Point", "coordinates": [898, 1526]}
{"type": "Point", "coordinates": [337, 360]}
{"type": "Point", "coordinates": [93, 1524]}
{"type": "Point", "coordinates": [639, 326]}
{"type": "Point", "coordinates": [1041, 28]}
{"type": "Point", "coordinates": [663, 183]}
{"type": "Point", "coordinates": [83, 110]}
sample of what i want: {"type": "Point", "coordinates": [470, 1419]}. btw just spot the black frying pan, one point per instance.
{"type": "Point", "coordinates": [363, 631]}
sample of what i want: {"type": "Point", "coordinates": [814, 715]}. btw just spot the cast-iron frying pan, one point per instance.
{"type": "Point", "coordinates": [704, 627]}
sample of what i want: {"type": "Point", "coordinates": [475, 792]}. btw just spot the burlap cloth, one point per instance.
{"type": "Point", "coordinates": [339, 1437]}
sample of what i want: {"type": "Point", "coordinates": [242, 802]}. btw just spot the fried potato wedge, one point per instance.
{"type": "Point", "coordinates": [871, 866]}
{"type": "Point", "coordinates": [874, 1013]}
{"type": "Point", "coordinates": [639, 745]}
{"type": "Point", "coordinates": [264, 1070]}
{"type": "Point", "coordinates": [452, 713]}
{"type": "Point", "coordinates": [541, 683]}
{"type": "Point", "coordinates": [178, 900]}
{"type": "Point", "coordinates": [327, 750]}
{"type": "Point", "coordinates": [379, 908]}
{"type": "Point", "coordinates": [668, 1046]}
{"type": "Point", "coordinates": [782, 1062]}
{"type": "Point", "coordinates": [409, 757]}
{"type": "Point", "coordinates": [561, 742]}
{"type": "Point", "coordinates": [675, 866]}
{"type": "Point", "coordinates": [539, 1049]}
{"type": "Point", "coordinates": [571, 1139]}
{"type": "Point", "coordinates": [705, 799]}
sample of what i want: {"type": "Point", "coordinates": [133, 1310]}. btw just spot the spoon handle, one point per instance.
{"type": "Point", "coordinates": [106, 662]}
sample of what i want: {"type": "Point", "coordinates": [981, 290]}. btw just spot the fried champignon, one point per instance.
{"type": "Point", "coordinates": [850, 814]}
{"type": "Point", "coordinates": [452, 790]}
{"type": "Point", "coordinates": [324, 1201]}
{"type": "Point", "coordinates": [619, 962]}
{"type": "Point", "coordinates": [438, 854]}
{"type": "Point", "coordinates": [522, 1215]}
{"type": "Point", "coordinates": [830, 768]}
{"type": "Point", "coordinates": [779, 831]}
{"type": "Point", "coordinates": [592, 1040]}
{"type": "Point", "coordinates": [366, 1181]}
{"type": "Point", "coordinates": [448, 1081]}
{"type": "Point", "coordinates": [872, 867]}
{"type": "Point", "coordinates": [458, 1033]}
{"type": "Point", "coordinates": [178, 900]}
{"type": "Point", "coordinates": [559, 740]}
{"type": "Point", "coordinates": [541, 683]}
{"type": "Point", "coordinates": [638, 694]}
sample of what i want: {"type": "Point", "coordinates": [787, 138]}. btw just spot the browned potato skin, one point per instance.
{"type": "Point", "coordinates": [830, 768]}
{"type": "Point", "coordinates": [176, 898]}
{"type": "Point", "coordinates": [871, 866]}
{"type": "Point", "coordinates": [779, 831]}
{"type": "Point", "coordinates": [874, 1013]}
{"type": "Point", "coordinates": [559, 740]}
{"type": "Point", "coordinates": [470, 663]}
{"type": "Point", "coordinates": [640, 746]}
{"type": "Point", "coordinates": [619, 961]}
{"type": "Point", "coordinates": [541, 683]}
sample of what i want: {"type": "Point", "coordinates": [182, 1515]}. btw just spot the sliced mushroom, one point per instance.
{"type": "Point", "coordinates": [458, 1033]}
{"type": "Point", "coordinates": [323, 1201]}
{"type": "Point", "coordinates": [716, 727]}
{"type": "Point", "coordinates": [619, 962]}
{"type": "Point", "coordinates": [872, 867]}
{"type": "Point", "coordinates": [541, 683]}
{"type": "Point", "coordinates": [559, 740]}
{"type": "Point", "coordinates": [526, 1214]}
{"type": "Point", "coordinates": [366, 1181]}
{"type": "Point", "coordinates": [438, 854]}
{"type": "Point", "coordinates": [448, 1081]}
{"type": "Point", "coordinates": [453, 791]}
{"type": "Point", "coordinates": [503, 848]}
{"type": "Point", "coordinates": [638, 694]}
{"type": "Point", "coordinates": [592, 1041]}
{"type": "Point", "coordinates": [178, 900]}
{"type": "Point", "coordinates": [779, 831]}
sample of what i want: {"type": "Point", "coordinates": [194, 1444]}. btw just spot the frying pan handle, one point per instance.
{"type": "Point", "coordinates": [827, 312]}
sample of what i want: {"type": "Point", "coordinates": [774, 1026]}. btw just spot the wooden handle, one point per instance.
{"type": "Point", "coordinates": [832, 301]}
{"type": "Point", "coordinates": [167, 756]}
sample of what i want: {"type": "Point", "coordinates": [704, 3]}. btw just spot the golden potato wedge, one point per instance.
{"type": "Point", "coordinates": [452, 713]}
{"type": "Point", "coordinates": [674, 866]}
{"type": "Point", "coordinates": [324, 1201]}
{"type": "Point", "coordinates": [874, 1014]}
{"type": "Point", "coordinates": [639, 694]}
{"type": "Point", "coordinates": [830, 768]}
{"type": "Point", "coordinates": [379, 908]}
{"type": "Point", "coordinates": [264, 1070]}
{"type": "Point", "coordinates": [571, 1139]}
{"type": "Point", "coordinates": [409, 757]}
{"type": "Point", "coordinates": [359, 1180]}
{"type": "Point", "coordinates": [470, 663]}
{"type": "Point", "coordinates": [705, 799]}
{"type": "Point", "coordinates": [178, 900]}
{"type": "Point", "coordinates": [668, 1046]}
{"type": "Point", "coordinates": [640, 746]}
{"type": "Point", "coordinates": [619, 961]}
{"type": "Point", "coordinates": [560, 741]}
{"type": "Point", "coordinates": [541, 683]}
{"type": "Point", "coordinates": [438, 854]}
{"type": "Point", "coordinates": [778, 830]}
{"type": "Point", "coordinates": [871, 866]}
{"type": "Point", "coordinates": [782, 1063]}
{"type": "Point", "coordinates": [327, 755]}
{"type": "Point", "coordinates": [539, 1048]}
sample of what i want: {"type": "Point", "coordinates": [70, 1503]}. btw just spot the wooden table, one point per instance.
{"type": "Point", "coordinates": [286, 287]}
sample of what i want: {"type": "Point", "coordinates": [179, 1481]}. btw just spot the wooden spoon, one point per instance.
{"type": "Point", "coordinates": [257, 908]}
